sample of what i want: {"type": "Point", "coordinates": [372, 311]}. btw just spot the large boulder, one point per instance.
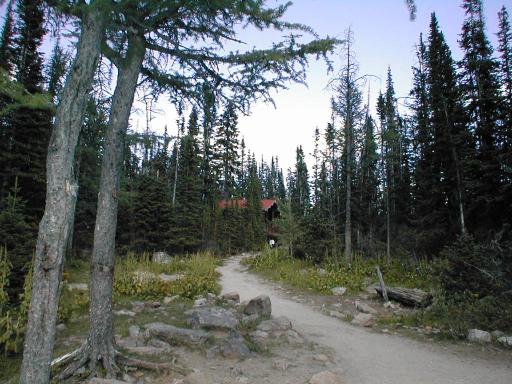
{"type": "Point", "coordinates": [214, 317]}
{"type": "Point", "coordinates": [478, 336]}
{"type": "Point", "coordinates": [260, 306]}
{"type": "Point", "coordinates": [234, 347]}
{"type": "Point", "coordinates": [175, 335]}
{"type": "Point", "coordinates": [326, 377]}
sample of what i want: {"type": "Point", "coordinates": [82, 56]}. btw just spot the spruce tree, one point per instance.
{"type": "Point", "coordinates": [299, 186]}
{"type": "Point", "coordinates": [480, 88]}
{"type": "Point", "coordinates": [227, 151]}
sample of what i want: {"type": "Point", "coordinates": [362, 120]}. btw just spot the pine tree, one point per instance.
{"type": "Point", "coordinates": [185, 235]}
{"type": "Point", "coordinates": [482, 102]}
{"type": "Point", "coordinates": [227, 151]}
{"type": "Point", "coordinates": [299, 186]}
{"type": "Point", "coordinates": [6, 41]}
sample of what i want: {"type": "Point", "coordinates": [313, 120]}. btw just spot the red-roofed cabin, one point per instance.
{"type": "Point", "coordinates": [269, 208]}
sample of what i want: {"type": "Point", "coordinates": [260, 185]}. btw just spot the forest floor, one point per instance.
{"type": "Point", "coordinates": [381, 354]}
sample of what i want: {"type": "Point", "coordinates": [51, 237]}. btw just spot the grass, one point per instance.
{"type": "Point", "coordinates": [277, 265]}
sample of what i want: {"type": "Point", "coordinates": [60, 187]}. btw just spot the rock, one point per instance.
{"type": "Point", "coordinates": [293, 337]}
{"type": "Point", "coordinates": [211, 296]}
{"type": "Point", "coordinates": [234, 347]}
{"type": "Point", "coordinates": [124, 312]}
{"type": "Point", "coordinates": [77, 287]}
{"type": "Point", "coordinates": [155, 304]}
{"type": "Point", "coordinates": [138, 306]}
{"type": "Point", "coordinates": [497, 334]}
{"type": "Point", "coordinates": [233, 297]}
{"type": "Point", "coordinates": [248, 320]}
{"type": "Point", "coordinates": [338, 315]}
{"type": "Point", "coordinates": [506, 341]}
{"type": "Point", "coordinates": [60, 327]}
{"type": "Point", "coordinates": [338, 291]}
{"type": "Point", "coordinates": [365, 308]}
{"type": "Point", "coordinates": [175, 335]}
{"type": "Point", "coordinates": [200, 302]}
{"type": "Point", "coordinates": [326, 377]}
{"type": "Point", "coordinates": [134, 331]}
{"type": "Point", "coordinates": [321, 358]}
{"type": "Point", "coordinates": [170, 299]}
{"type": "Point", "coordinates": [363, 320]}
{"type": "Point", "coordinates": [260, 306]}
{"type": "Point", "coordinates": [161, 258]}
{"type": "Point", "coordinates": [259, 335]}
{"type": "Point", "coordinates": [169, 278]}
{"type": "Point", "coordinates": [478, 336]}
{"type": "Point", "coordinates": [214, 317]}
{"type": "Point", "coordinates": [280, 324]}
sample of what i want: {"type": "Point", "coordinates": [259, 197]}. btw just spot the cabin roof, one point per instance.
{"type": "Point", "coordinates": [266, 204]}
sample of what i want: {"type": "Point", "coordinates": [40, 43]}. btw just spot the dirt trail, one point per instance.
{"type": "Point", "coordinates": [368, 357]}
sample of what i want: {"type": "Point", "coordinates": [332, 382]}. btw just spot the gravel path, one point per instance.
{"type": "Point", "coordinates": [368, 357]}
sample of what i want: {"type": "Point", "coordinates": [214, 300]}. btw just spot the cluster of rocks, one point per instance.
{"type": "Point", "coordinates": [479, 336]}
{"type": "Point", "coordinates": [229, 328]}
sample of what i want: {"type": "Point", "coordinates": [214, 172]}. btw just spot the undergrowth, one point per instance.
{"type": "Point", "coordinates": [276, 264]}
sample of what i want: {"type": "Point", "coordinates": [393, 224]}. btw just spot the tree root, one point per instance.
{"type": "Point", "coordinates": [67, 365]}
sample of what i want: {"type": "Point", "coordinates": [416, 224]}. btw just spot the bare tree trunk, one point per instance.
{"type": "Point", "coordinates": [61, 197]}
{"type": "Point", "coordinates": [101, 332]}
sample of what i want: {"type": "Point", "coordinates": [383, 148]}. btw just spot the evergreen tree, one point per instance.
{"type": "Point", "coordinates": [227, 151]}
{"type": "Point", "coordinates": [299, 186]}
{"type": "Point", "coordinates": [6, 41]}
{"type": "Point", "coordinates": [254, 217]}
{"type": "Point", "coordinates": [185, 235]}
{"type": "Point", "coordinates": [482, 102]}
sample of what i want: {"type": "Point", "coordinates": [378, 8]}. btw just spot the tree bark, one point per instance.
{"type": "Point", "coordinates": [101, 333]}
{"type": "Point", "coordinates": [411, 297]}
{"type": "Point", "coordinates": [60, 204]}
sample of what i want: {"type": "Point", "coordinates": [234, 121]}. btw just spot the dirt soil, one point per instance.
{"type": "Point", "coordinates": [372, 356]}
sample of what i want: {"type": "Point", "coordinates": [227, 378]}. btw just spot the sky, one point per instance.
{"type": "Point", "coordinates": [384, 36]}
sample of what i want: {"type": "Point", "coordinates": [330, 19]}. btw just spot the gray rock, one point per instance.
{"type": "Point", "coordinates": [200, 302]}
{"type": "Point", "coordinates": [506, 341]}
{"type": "Point", "coordinates": [363, 320]}
{"type": "Point", "coordinates": [233, 297]}
{"type": "Point", "coordinates": [338, 315]}
{"type": "Point", "coordinates": [479, 336]}
{"type": "Point", "coordinates": [161, 258]}
{"type": "Point", "coordinates": [211, 296]}
{"type": "Point", "coordinates": [175, 335]}
{"type": "Point", "coordinates": [234, 347]}
{"type": "Point", "coordinates": [338, 291]}
{"type": "Point", "coordinates": [124, 312]}
{"type": "Point", "coordinates": [248, 320]}
{"type": "Point", "coordinates": [293, 337]}
{"type": "Point", "coordinates": [260, 306]}
{"type": "Point", "coordinates": [138, 306]}
{"type": "Point", "coordinates": [134, 331]}
{"type": "Point", "coordinates": [497, 334]}
{"type": "Point", "coordinates": [259, 335]}
{"type": "Point", "coordinates": [60, 327]}
{"type": "Point", "coordinates": [77, 287]}
{"type": "Point", "coordinates": [326, 377]}
{"type": "Point", "coordinates": [365, 308]}
{"type": "Point", "coordinates": [279, 324]}
{"type": "Point", "coordinates": [214, 317]}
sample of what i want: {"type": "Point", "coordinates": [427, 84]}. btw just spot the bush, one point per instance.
{"type": "Point", "coordinates": [277, 264]}
{"type": "Point", "coordinates": [198, 276]}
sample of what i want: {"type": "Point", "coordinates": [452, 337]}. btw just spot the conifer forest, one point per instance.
{"type": "Point", "coordinates": [421, 179]}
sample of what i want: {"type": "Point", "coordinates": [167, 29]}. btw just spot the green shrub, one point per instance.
{"type": "Point", "coordinates": [277, 264]}
{"type": "Point", "coordinates": [198, 276]}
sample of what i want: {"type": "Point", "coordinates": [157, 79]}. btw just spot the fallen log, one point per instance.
{"type": "Point", "coordinates": [410, 297]}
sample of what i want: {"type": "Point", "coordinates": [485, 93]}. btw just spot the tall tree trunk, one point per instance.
{"type": "Point", "coordinates": [101, 332]}
{"type": "Point", "coordinates": [61, 197]}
